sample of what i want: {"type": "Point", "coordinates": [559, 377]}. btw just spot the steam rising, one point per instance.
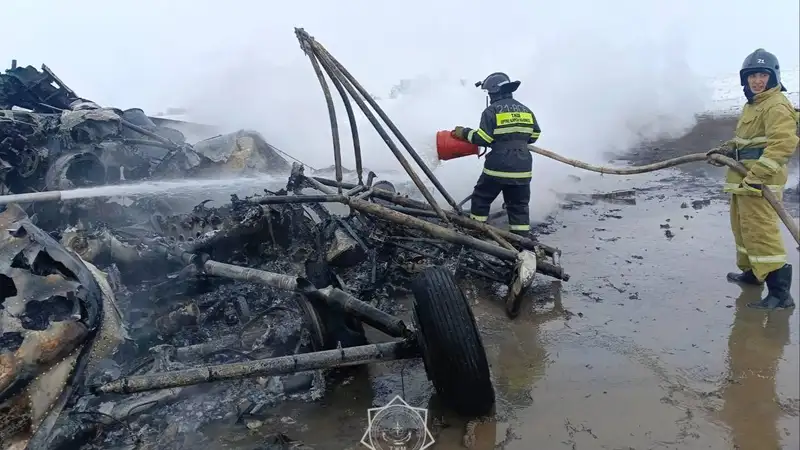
{"type": "Point", "coordinates": [599, 76]}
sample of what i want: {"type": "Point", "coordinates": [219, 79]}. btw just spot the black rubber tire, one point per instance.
{"type": "Point", "coordinates": [451, 345]}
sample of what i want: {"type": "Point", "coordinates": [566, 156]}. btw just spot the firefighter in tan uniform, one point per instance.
{"type": "Point", "coordinates": [766, 137]}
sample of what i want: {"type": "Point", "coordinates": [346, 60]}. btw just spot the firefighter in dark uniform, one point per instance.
{"type": "Point", "coordinates": [506, 127]}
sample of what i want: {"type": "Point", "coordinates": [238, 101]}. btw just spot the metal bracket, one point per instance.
{"type": "Point", "coordinates": [524, 273]}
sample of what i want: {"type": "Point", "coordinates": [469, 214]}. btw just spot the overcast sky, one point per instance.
{"type": "Point", "coordinates": [134, 44]}
{"type": "Point", "coordinates": [599, 74]}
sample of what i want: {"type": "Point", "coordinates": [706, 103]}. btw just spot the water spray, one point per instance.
{"type": "Point", "coordinates": [146, 188]}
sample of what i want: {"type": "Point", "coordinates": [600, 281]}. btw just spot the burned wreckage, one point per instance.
{"type": "Point", "coordinates": [112, 314]}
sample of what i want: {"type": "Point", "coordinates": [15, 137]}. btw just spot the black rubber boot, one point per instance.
{"type": "Point", "coordinates": [778, 284]}
{"type": "Point", "coordinates": [745, 277]}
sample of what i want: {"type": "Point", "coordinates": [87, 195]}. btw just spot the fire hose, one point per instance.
{"type": "Point", "coordinates": [734, 165]}
{"type": "Point", "coordinates": [450, 147]}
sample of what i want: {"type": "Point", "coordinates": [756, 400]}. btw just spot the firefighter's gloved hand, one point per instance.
{"type": "Point", "coordinates": [750, 186]}
{"type": "Point", "coordinates": [724, 151]}
{"type": "Point", "coordinates": [458, 133]}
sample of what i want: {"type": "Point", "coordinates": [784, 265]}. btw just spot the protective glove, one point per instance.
{"type": "Point", "coordinates": [458, 133]}
{"type": "Point", "coordinates": [725, 149]}
{"type": "Point", "coordinates": [750, 185]}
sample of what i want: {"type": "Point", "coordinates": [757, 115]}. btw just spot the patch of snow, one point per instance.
{"type": "Point", "coordinates": [728, 98]}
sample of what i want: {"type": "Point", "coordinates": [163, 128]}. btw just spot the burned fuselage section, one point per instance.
{"type": "Point", "coordinates": [51, 311]}
{"type": "Point", "coordinates": [150, 322]}
{"type": "Point", "coordinates": [51, 139]}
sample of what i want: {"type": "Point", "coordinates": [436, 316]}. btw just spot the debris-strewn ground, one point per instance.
{"type": "Point", "coordinates": [129, 319]}
{"type": "Point", "coordinates": [646, 347]}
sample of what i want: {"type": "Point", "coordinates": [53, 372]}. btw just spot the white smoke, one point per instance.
{"type": "Point", "coordinates": [600, 76]}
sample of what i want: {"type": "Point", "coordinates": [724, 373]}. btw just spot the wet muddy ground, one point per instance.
{"type": "Point", "coordinates": [659, 352]}
{"type": "Point", "coordinates": [646, 347]}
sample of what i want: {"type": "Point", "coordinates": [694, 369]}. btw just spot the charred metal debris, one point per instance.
{"type": "Point", "coordinates": [115, 317]}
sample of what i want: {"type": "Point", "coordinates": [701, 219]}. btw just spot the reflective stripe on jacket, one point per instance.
{"type": "Point", "coordinates": [507, 127]}
{"type": "Point", "coordinates": [766, 137]}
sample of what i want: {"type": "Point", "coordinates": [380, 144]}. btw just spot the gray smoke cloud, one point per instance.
{"type": "Point", "coordinates": [600, 76]}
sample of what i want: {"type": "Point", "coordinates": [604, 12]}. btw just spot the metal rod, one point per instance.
{"type": "Point", "coordinates": [468, 198]}
{"type": "Point", "coordinates": [328, 359]}
{"type": "Point", "coordinates": [466, 222]}
{"type": "Point", "coordinates": [286, 199]}
{"type": "Point", "coordinates": [319, 186]}
{"type": "Point", "coordinates": [371, 315]}
{"type": "Point", "coordinates": [463, 221]}
{"type": "Point", "coordinates": [397, 153]}
{"type": "Point", "coordinates": [499, 239]}
{"type": "Point", "coordinates": [276, 280]}
{"type": "Point", "coordinates": [431, 228]}
{"type": "Point", "coordinates": [366, 194]}
{"type": "Point", "coordinates": [337, 150]}
{"type": "Point", "coordinates": [386, 138]}
{"type": "Point", "coordinates": [416, 239]}
{"type": "Point", "coordinates": [355, 190]}
{"type": "Point", "coordinates": [368, 314]}
{"type": "Point", "coordinates": [349, 77]}
{"type": "Point", "coordinates": [413, 211]}
{"type": "Point", "coordinates": [215, 268]}
{"type": "Point", "coordinates": [451, 235]}
{"type": "Point", "coordinates": [329, 182]}
{"type": "Point", "coordinates": [352, 119]}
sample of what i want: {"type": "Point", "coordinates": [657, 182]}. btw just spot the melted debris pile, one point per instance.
{"type": "Point", "coordinates": [52, 139]}
{"type": "Point", "coordinates": [94, 291]}
{"type": "Point", "coordinates": [154, 312]}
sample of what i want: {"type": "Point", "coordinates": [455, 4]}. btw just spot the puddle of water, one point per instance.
{"type": "Point", "coordinates": [665, 355]}
{"type": "Point", "coordinates": [596, 398]}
